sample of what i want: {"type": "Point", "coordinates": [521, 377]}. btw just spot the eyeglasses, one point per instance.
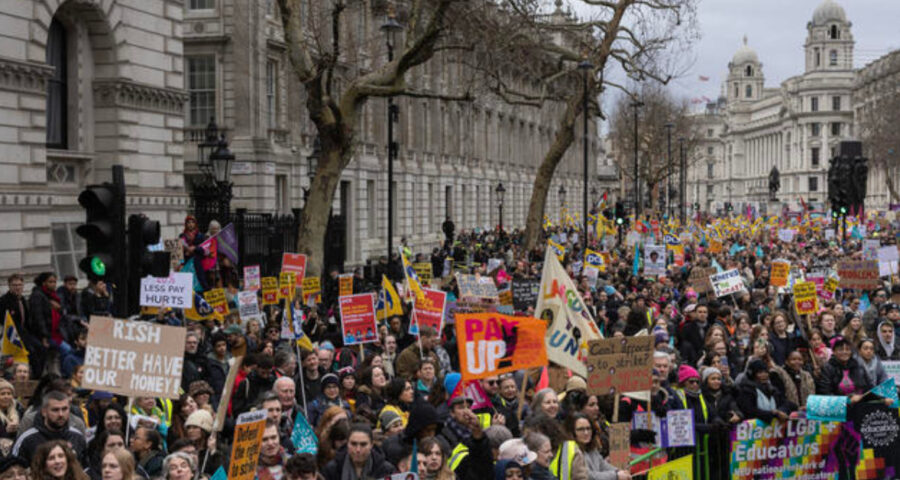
{"type": "Point", "coordinates": [490, 382]}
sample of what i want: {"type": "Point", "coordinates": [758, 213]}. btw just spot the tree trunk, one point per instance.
{"type": "Point", "coordinates": [534, 224]}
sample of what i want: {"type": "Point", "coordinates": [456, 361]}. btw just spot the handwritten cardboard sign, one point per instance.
{"type": "Point", "coordinates": [619, 445]}
{"type": "Point", "coordinates": [132, 358]}
{"type": "Point", "coordinates": [699, 279]}
{"type": "Point", "coordinates": [619, 365]}
{"type": "Point", "coordinates": [858, 274]}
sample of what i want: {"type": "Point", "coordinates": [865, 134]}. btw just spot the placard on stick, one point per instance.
{"type": "Point", "coordinates": [617, 365]}
{"type": "Point", "coordinates": [248, 433]}
{"type": "Point", "coordinates": [858, 274]}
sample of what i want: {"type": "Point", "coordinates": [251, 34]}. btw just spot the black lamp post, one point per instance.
{"type": "Point", "coordinates": [637, 174]}
{"type": "Point", "coordinates": [391, 28]}
{"type": "Point", "coordinates": [669, 127]}
{"type": "Point", "coordinates": [585, 66]}
{"type": "Point", "coordinates": [500, 191]}
{"type": "Point", "coordinates": [561, 193]}
{"type": "Point", "coordinates": [681, 180]}
{"type": "Point", "coordinates": [213, 193]}
{"type": "Point", "coordinates": [312, 164]}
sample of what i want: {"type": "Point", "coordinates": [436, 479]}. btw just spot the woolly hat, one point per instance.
{"type": "Point", "coordinates": [330, 378]}
{"type": "Point", "coordinates": [754, 367]}
{"type": "Point", "coordinates": [200, 418]}
{"type": "Point", "coordinates": [686, 372]}
{"type": "Point", "coordinates": [389, 418]}
{"type": "Point", "coordinates": [709, 371]}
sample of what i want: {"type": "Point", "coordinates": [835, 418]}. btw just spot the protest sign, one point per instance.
{"type": "Point", "coordinates": [312, 286]}
{"type": "Point", "coordinates": [358, 318]}
{"type": "Point", "coordinates": [251, 278]}
{"type": "Point", "coordinates": [677, 429]}
{"type": "Point", "coordinates": [655, 260]}
{"type": "Point", "coordinates": [294, 262]}
{"type": "Point", "coordinates": [222, 409]}
{"type": "Point", "coordinates": [345, 285]}
{"type": "Point", "coordinates": [681, 469]}
{"type": "Point", "coordinates": [525, 294]}
{"type": "Point", "coordinates": [287, 282]}
{"type": "Point", "coordinates": [428, 310]}
{"type": "Point", "coordinates": [858, 274]}
{"type": "Point", "coordinates": [887, 260]}
{"type": "Point", "coordinates": [216, 299]}
{"type": "Point", "coordinates": [826, 408]}
{"type": "Point", "coordinates": [727, 282]}
{"type": "Point", "coordinates": [715, 245]}
{"type": "Point", "coordinates": [870, 248]}
{"type": "Point", "coordinates": [878, 429]}
{"type": "Point", "coordinates": [891, 368]}
{"type": "Point", "coordinates": [423, 270]}
{"type": "Point", "coordinates": [799, 448]}
{"type": "Point", "coordinates": [505, 297]}
{"type": "Point", "coordinates": [248, 305]}
{"type": "Point", "coordinates": [491, 344]}
{"type": "Point", "coordinates": [269, 291]}
{"type": "Point", "coordinates": [805, 299]}
{"type": "Point", "coordinates": [786, 235]}
{"type": "Point", "coordinates": [471, 286]}
{"type": "Point", "coordinates": [699, 279]}
{"type": "Point", "coordinates": [176, 291]}
{"type": "Point", "coordinates": [176, 253]}
{"type": "Point", "coordinates": [828, 288]}
{"type": "Point", "coordinates": [780, 271]}
{"type": "Point", "coordinates": [619, 445]}
{"type": "Point", "coordinates": [248, 433]}
{"type": "Point", "coordinates": [135, 359]}
{"type": "Point", "coordinates": [616, 365]}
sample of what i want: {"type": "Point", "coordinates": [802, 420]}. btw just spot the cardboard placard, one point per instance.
{"type": "Point", "coordinates": [251, 278]}
{"type": "Point", "coordinates": [617, 365]}
{"type": "Point", "coordinates": [176, 291]}
{"type": "Point", "coordinates": [858, 274]}
{"type": "Point", "coordinates": [270, 291]}
{"type": "Point", "coordinates": [471, 286]}
{"type": "Point", "coordinates": [358, 318]}
{"type": "Point", "coordinates": [296, 263]}
{"type": "Point", "coordinates": [525, 294]}
{"type": "Point", "coordinates": [217, 300]}
{"type": "Point", "coordinates": [248, 433]}
{"type": "Point", "coordinates": [780, 271]}
{"type": "Point", "coordinates": [222, 411]}
{"type": "Point", "coordinates": [727, 282]}
{"type": "Point", "coordinates": [132, 358]}
{"type": "Point", "coordinates": [619, 445]}
{"type": "Point", "coordinates": [699, 279]}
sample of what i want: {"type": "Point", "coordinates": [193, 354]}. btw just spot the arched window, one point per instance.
{"type": "Point", "coordinates": [749, 71]}
{"type": "Point", "coordinates": [818, 56]}
{"type": "Point", "coordinates": [832, 58]}
{"type": "Point", "coordinates": [834, 33]}
{"type": "Point", "coordinates": [57, 86]}
{"type": "Point", "coordinates": [749, 91]}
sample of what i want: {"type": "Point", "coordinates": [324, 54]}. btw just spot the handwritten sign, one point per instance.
{"type": "Point", "coordinates": [699, 279]}
{"type": "Point", "coordinates": [270, 290]}
{"type": "Point", "coordinates": [251, 278]}
{"type": "Point", "coordinates": [248, 434]}
{"type": "Point", "coordinates": [135, 359]}
{"type": "Point", "coordinates": [248, 305]}
{"type": "Point", "coordinates": [780, 271]}
{"type": "Point", "coordinates": [216, 299]}
{"type": "Point", "coordinates": [176, 291]}
{"type": "Point", "coordinates": [677, 430]}
{"type": "Point", "coordinates": [858, 274]}
{"type": "Point", "coordinates": [727, 282]}
{"type": "Point", "coordinates": [619, 445]}
{"type": "Point", "coordinates": [619, 365]}
{"type": "Point", "coordinates": [471, 286]}
{"type": "Point", "coordinates": [525, 294]}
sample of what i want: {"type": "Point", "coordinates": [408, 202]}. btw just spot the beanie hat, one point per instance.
{"type": "Point", "coordinates": [686, 372]}
{"type": "Point", "coordinates": [389, 418]}
{"type": "Point", "coordinates": [330, 378]}
{"type": "Point", "coordinates": [709, 371]}
{"type": "Point", "coordinates": [200, 418]}
{"type": "Point", "coordinates": [451, 381]}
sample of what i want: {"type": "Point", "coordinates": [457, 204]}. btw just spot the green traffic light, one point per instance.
{"type": "Point", "coordinates": [619, 221]}
{"type": "Point", "coordinates": [843, 210]}
{"type": "Point", "coordinates": [98, 267]}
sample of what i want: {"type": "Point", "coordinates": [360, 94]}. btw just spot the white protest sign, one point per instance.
{"type": "Point", "coordinates": [870, 248]}
{"type": "Point", "coordinates": [727, 282]}
{"type": "Point", "coordinates": [176, 291]}
{"type": "Point", "coordinates": [248, 305]}
{"type": "Point", "coordinates": [892, 369]}
{"type": "Point", "coordinates": [786, 235]}
{"type": "Point", "coordinates": [655, 260]}
{"type": "Point", "coordinates": [134, 358]}
{"type": "Point", "coordinates": [493, 264]}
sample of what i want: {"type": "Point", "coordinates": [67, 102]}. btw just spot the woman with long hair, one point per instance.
{"type": "Point", "coordinates": [55, 460]}
{"type": "Point", "coordinates": [105, 441]}
{"type": "Point", "coordinates": [181, 410]}
{"type": "Point", "coordinates": [372, 382]}
{"type": "Point", "coordinates": [333, 434]}
{"type": "Point", "coordinates": [10, 411]}
{"type": "Point", "coordinates": [435, 464]}
{"type": "Point", "coordinates": [587, 436]}
{"type": "Point", "coordinates": [118, 464]}
{"type": "Point", "coordinates": [398, 396]}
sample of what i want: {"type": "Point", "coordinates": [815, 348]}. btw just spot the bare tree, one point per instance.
{"type": "Point", "coordinates": [628, 34]}
{"type": "Point", "coordinates": [654, 167]}
{"type": "Point", "coordinates": [338, 75]}
{"type": "Point", "coordinates": [878, 121]}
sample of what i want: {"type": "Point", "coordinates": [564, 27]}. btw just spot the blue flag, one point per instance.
{"type": "Point", "coordinates": [220, 474]}
{"type": "Point", "coordinates": [718, 267]}
{"type": "Point", "coordinates": [303, 437]}
{"type": "Point", "coordinates": [888, 389]}
{"type": "Point", "coordinates": [414, 461]}
{"type": "Point", "coordinates": [637, 260]}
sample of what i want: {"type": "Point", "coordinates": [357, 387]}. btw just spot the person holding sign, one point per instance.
{"type": "Point", "coordinates": [587, 435]}
{"type": "Point", "coordinates": [843, 374]}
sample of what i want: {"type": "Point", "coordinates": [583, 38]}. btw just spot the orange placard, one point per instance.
{"type": "Point", "coordinates": [294, 262]}
{"type": "Point", "coordinates": [780, 271]}
{"type": "Point", "coordinates": [491, 343]}
{"type": "Point", "coordinates": [715, 246]}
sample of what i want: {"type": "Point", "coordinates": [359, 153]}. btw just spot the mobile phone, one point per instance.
{"type": "Point", "coordinates": [724, 361]}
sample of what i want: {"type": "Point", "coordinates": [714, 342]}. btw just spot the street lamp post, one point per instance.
{"type": "Point", "coordinates": [213, 193]}
{"type": "Point", "coordinates": [312, 164]}
{"type": "Point", "coordinates": [500, 191]}
{"type": "Point", "coordinates": [561, 193]}
{"type": "Point", "coordinates": [681, 180]}
{"type": "Point", "coordinates": [669, 127]}
{"type": "Point", "coordinates": [390, 28]}
{"type": "Point", "coordinates": [585, 67]}
{"type": "Point", "coordinates": [637, 185]}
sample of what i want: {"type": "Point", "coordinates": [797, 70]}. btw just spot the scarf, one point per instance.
{"type": "Point", "coordinates": [888, 347]}
{"type": "Point", "coordinates": [55, 315]}
{"type": "Point", "coordinates": [461, 432]}
{"type": "Point", "coordinates": [871, 368]}
{"type": "Point", "coordinates": [349, 471]}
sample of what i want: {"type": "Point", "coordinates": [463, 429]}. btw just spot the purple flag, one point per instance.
{"type": "Point", "coordinates": [228, 243]}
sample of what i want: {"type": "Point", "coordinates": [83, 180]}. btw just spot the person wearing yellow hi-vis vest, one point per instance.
{"type": "Point", "coordinates": [471, 453]}
{"type": "Point", "coordinates": [688, 397]}
{"type": "Point", "coordinates": [557, 456]}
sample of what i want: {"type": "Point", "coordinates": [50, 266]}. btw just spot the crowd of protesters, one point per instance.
{"type": "Point", "coordinates": [728, 359]}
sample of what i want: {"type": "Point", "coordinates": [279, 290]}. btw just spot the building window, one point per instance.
{"type": "Point", "coordinates": [836, 103]}
{"type": "Point", "coordinates": [814, 104]}
{"type": "Point", "coordinates": [813, 184]}
{"type": "Point", "coordinates": [815, 129]}
{"type": "Point", "coordinates": [749, 71]}
{"type": "Point", "coordinates": [709, 170]}
{"type": "Point", "coordinates": [818, 56]}
{"type": "Point", "coordinates": [57, 88]}
{"type": "Point", "coordinates": [834, 33]}
{"type": "Point", "coordinates": [709, 132]}
{"type": "Point", "coordinates": [709, 191]}
{"type": "Point", "coordinates": [737, 90]}
{"type": "Point", "coordinates": [372, 216]}
{"type": "Point", "coordinates": [815, 157]}
{"type": "Point", "coordinates": [271, 93]}
{"type": "Point", "coordinates": [67, 248]}
{"type": "Point", "coordinates": [201, 73]}
{"type": "Point", "coordinates": [835, 129]}
{"type": "Point", "coordinates": [709, 150]}
{"type": "Point", "coordinates": [202, 4]}
{"type": "Point", "coordinates": [832, 58]}
{"type": "Point", "coordinates": [448, 201]}
{"type": "Point", "coordinates": [749, 91]}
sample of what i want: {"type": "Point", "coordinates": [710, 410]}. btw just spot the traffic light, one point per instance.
{"type": "Point", "coordinates": [729, 207]}
{"type": "Point", "coordinates": [103, 231]}
{"type": "Point", "coordinates": [142, 234]}
{"type": "Point", "coordinates": [620, 214]}
{"type": "Point", "coordinates": [696, 206]}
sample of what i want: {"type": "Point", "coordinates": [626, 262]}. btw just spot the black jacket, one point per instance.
{"type": "Point", "coordinates": [746, 400]}
{"type": "Point", "coordinates": [40, 319]}
{"type": "Point", "coordinates": [833, 372]}
{"type": "Point", "coordinates": [250, 391]}
{"type": "Point", "coordinates": [31, 439]}
{"type": "Point", "coordinates": [378, 468]}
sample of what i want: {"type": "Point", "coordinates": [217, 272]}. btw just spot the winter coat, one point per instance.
{"type": "Point", "coordinates": [747, 395]}
{"type": "Point", "coordinates": [833, 372]}
{"type": "Point", "coordinates": [376, 468]}
{"type": "Point", "coordinates": [28, 442]}
{"type": "Point", "coordinates": [250, 391]}
{"type": "Point", "coordinates": [597, 466]}
{"type": "Point", "coordinates": [408, 361]}
{"type": "Point", "coordinates": [803, 379]}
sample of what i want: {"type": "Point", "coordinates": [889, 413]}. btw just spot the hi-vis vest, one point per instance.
{"type": "Point", "coordinates": [460, 452]}
{"type": "Point", "coordinates": [681, 395]}
{"type": "Point", "coordinates": [566, 451]}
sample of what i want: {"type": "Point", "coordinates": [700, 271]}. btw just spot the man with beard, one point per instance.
{"type": "Point", "coordinates": [52, 423]}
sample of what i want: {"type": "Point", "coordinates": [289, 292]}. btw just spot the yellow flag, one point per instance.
{"type": "Point", "coordinates": [388, 301]}
{"type": "Point", "coordinates": [681, 469]}
{"type": "Point", "coordinates": [558, 249]}
{"type": "Point", "coordinates": [412, 278]}
{"type": "Point", "coordinates": [12, 342]}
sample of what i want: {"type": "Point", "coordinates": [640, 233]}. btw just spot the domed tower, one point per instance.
{"type": "Point", "coordinates": [829, 42]}
{"type": "Point", "coordinates": [745, 77]}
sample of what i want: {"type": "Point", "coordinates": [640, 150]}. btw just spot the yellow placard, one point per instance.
{"type": "Point", "coordinates": [423, 271]}
{"type": "Point", "coordinates": [216, 299]}
{"type": "Point", "coordinates": [286, 284]}
{"type": "Point", "coordinates": [270, 291]}
{"type": "Point", "coordinates": [345, 285]}
{"type": "Point", "coordinates": [311, 286]}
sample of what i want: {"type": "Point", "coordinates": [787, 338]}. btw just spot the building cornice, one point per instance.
{"type": "Point", "coordinates": [22, 76]}
{"type": "Point", "coordinates": [126, 93]}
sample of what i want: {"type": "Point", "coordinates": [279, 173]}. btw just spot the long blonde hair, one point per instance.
{"type": "Point", "coordinates": [10, 414]}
